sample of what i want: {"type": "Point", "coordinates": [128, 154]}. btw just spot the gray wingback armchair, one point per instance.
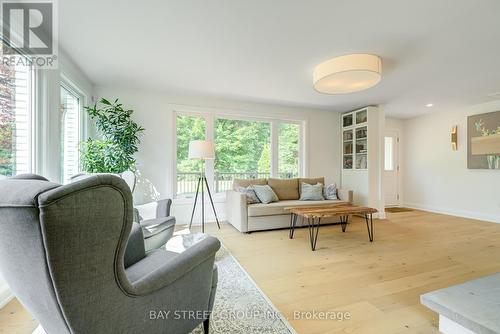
{"type": "Point", "coordinates": [63, 254]}
{"type": "Point", "coordinates": [157, 224]}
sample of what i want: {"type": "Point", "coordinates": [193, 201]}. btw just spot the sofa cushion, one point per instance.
{"type": "Point", "coordinates": [278, 208]}
{"type": "Point", "coordinates": [330, 191]}
{"type": "Point", "coordinates": [310, 181]}
{"type": "Point", "coordinates": [250, 182]}
{"type": "Point", "coordinates": [265, 194]}
{"type": "Point", "coordinates": [286, 189]}
{"type": "Point", "coordinates": [312, 192]}
{"type": "Point", "coordinates": [250, 194]}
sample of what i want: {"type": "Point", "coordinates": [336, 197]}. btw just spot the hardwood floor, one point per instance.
{"type": "Point", "coordinates": [378, 283]}
{"type": "Point", "coordinates": [14, 319]}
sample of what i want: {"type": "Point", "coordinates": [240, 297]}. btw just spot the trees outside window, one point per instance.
{"type": "Point", "coordinates": [188, 128]}
{"type": "Point", "coordinates": [15, 119]}
{"type": "Point", "coordinates": [288, 150]}
{"type": "Point", "coordinates": [242, 150]}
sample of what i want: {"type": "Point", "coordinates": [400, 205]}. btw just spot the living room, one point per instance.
{"type": "Point", "coordinates": [250, 167]}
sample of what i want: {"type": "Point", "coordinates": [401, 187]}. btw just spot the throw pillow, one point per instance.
{"type": "Point", "coordinates": [250, 193]}
{"type": "Point", "coordinates": [330, 191]}
{"type": "Point", "coordinates": [265, 194]}
{"type": "Point", "coordinates": [312, 192]}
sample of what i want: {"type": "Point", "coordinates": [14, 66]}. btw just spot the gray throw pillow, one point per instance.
{"type": "Point", "coordinates": [265, 194]}
{"type": "Point", "coordinates": [250, 193]}
{"type": "Point", "coordinates": [330, 191]}
{"type": "Point", "coordinates": [311, 192]}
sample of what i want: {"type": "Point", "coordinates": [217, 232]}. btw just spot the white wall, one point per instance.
{"type": "Point", "coordinates": [436, 178]}
{"type": "Point", "coordinates": [153, 110]}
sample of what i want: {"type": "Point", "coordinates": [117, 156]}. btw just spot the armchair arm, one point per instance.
{"type": "Point", "coordinates": [153, 210]}
{"type": "Point", "coordinates": [345, 195]}
{"type": "Point", "coordinates": [236, 210]}
{"type": "Point", "coordinates": [148, 276]}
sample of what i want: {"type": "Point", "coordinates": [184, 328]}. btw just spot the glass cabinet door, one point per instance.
{"type": "Point", "coordinates": [348, 161]}
{"type": "Point", "coordinates": [348, 135]}
{"type": "Point", "coordinates": [348, 148]}
{"type": "Point", "coordinates": [347, 120]}
{"type": "Point", "coordinates": [361, 116]}
{"type": "Point", "coordinates": [361, 162]}
{"type": "Point", "coordinates": [361, 133]}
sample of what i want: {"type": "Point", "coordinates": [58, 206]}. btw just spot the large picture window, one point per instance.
{"type": "Point", "coordinates": [187, 170]}
{"type": "Point", "coordinates": [16, 120]}
{"type": "Point", "coordinates": [245, 148]}
{"type": "Point", "coordinates": [70, 132]}
{"type": "Point", "coordinates": [288, 150]}
{"type": "Point", "coordinates": [242, 150]}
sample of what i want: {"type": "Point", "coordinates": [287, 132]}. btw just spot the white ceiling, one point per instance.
{"type": "Point", "coordinates": [442, 51]}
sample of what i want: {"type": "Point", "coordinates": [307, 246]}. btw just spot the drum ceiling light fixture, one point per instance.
{"type": "Point", "coordinates": [348, 74]}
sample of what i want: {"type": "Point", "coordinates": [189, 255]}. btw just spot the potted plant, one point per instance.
{"type": "Point", "coordinates": [119, 138]}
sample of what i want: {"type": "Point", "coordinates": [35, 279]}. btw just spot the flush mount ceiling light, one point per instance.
{"type": "Point", "coordinates": [348, 74]}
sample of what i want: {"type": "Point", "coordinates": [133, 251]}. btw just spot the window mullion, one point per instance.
{"type": "Point", "coordinates": [210, 164]}
{"type": "Point", "coordinates": [274, 148]}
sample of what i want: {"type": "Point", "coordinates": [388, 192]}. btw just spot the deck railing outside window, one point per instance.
{"type": "Point", "coordinates": [187, 182]}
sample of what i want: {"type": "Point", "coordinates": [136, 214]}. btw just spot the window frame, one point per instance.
{"type": "Point", "coordinates": [210, 115]}
{"type": "Point", "coordinates": [71, 87]}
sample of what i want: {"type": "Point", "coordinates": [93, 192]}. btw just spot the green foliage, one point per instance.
{"type": "Point", "coordinates": [288, 140]}
{"type": "Point", "coordinates": [7, 118]}
{"type": "Point", "coordinates": [6, 146]}
{"type": "Point", "coordinates": [264, 165]}
{"type": "Point", "coordinates": [485, 132]}
{"type": "Point", "coordinates": [188, 128]}
{"type": "Point", "coordinates": [240, 146]}
{"type": "Point", "coordinates": [120, 139]}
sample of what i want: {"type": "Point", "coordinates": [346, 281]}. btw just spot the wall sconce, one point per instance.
{"type": "Point", "coordinates": [454, 136]}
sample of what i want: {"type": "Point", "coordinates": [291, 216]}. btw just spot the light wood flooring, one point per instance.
{"type": "Point", "coordinates": [378, 283]}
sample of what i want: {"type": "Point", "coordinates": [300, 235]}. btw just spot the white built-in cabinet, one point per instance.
{"type": "Point", "coordinates": [362, 153]}
{"type": "Point", "coordinates": [355, 140]}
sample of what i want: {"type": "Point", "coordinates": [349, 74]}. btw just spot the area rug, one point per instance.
{"type": "Point", "coordinates": [394, 210]}
{"type": "Point", "coordinates": [240, 306]}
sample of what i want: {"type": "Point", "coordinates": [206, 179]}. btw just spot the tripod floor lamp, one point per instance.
{"type": "Point", "coordinates": [202, 150]}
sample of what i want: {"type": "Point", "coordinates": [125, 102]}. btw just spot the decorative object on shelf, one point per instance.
{"type": "Point", "coordinates": [454, 136]}
{"type": "Point", "coordinates": [202, 150]}
{"type": "Point", "coordinates": [348, 74]}
{"type": "Point", "coordinates": [483, 141]}
{"type": "Point", "coordinates": [114, 153]}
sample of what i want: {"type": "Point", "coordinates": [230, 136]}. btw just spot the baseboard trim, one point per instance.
{"type": "Point", "coordinates": [451, 212]}
{"type": "Point", "coordinates": [5, 296]}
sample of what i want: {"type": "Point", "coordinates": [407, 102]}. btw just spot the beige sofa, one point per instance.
{"type": "Point", "coordinates": [257, 217]}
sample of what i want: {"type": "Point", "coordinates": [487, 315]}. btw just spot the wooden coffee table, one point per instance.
{"type": "Point", "coordinates": [313, 215]}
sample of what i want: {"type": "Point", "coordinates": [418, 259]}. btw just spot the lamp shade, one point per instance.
{"type": "Point", "coordinates": [347, 74]}
{"type": "Point", "coordinates": [201, 149]}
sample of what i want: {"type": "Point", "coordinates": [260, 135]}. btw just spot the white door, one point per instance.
{"type": "Point", "coordinates": [391, 168]}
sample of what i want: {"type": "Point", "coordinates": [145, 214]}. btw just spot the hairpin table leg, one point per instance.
{"type": "Point", "coordinates": [369, 226]}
